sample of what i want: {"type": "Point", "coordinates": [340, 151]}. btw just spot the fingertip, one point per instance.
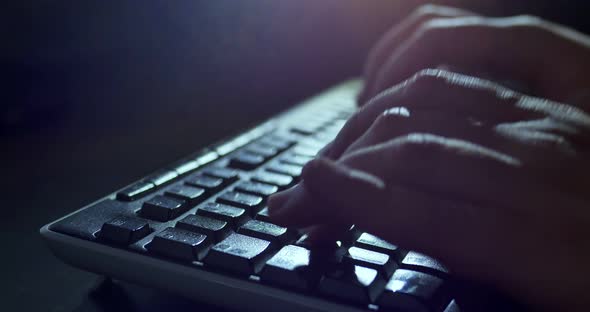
{"type": "Point", "coordinates": [277, 201]}
{"type": "Point", "coordinates": [293, 207]}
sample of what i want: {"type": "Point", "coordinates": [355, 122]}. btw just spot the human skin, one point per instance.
{"type": "Point", "coordinates": [463, 168]}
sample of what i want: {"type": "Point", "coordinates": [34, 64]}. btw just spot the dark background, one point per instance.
{"type": "Point", "coordinates": [96, 94]}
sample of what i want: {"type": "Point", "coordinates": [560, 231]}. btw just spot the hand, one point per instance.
{"type": "Point", "coordinates": [491, 182]}
{"type": "Point", "coordinates": [542, 58]}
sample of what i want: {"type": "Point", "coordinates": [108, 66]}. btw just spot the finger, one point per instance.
{"type": "Point", "coordinates": [451, 169]}
{"type": "Point", "coordinates": [405, 217]}
{"type": "Point", "coordinates": [505, 48]}
{"type": "Point", "coordinates": [391, 124]}
{"type": "Point", "coordinates": [282, 208]}
{"type": "Point", "coordinates": [438, 90]}
{"type": "Point", "coordinates": [539, 148]}
{"type": "Point", "coordinates": [396, 36]}
{"type": "Point", "coordinates": [287, 212]}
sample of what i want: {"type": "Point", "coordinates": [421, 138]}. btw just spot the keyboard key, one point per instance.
{"type": "Point", "coordinates": [262, 150]}
{"type": "Point", "coordinates": [228, 175]}
{"type": "Point", "coordinates": [306, 151]}
{"type": "Point", "coordinates": [294, 159]}
{"type": "Point", "coordinates": [239, 254]}
{"type": "Point", "coordinates": [232, 215]}
{"type": "Point", "coordinates": [291, 170]}
{"type": "Point", "coordinates": [192, 195]}
{"type": "Point", "coordinates": [381, 262]}
{"type": "Point", "coordinates": [358, 284]}
{"type": "Point", "coordinates": [419, 262]}
{"type": "Point", "coordinates": [124, 230]}
{"type": "Point", "coordinates": [413, 291]}
{"type": "Point", "coordinates": [180, 244]}
{"type": "Point", "coordinates": [278, 142]}
{"type": "Point", "coordinates": [186, 167]}
{"type": "Point", "coordinates": [210, 184]}
{"type": "Point", "coordinates": [372, 242]}
{"type": "Point", "coordinates": [254, 188]}
{"type": "Point", "coordinates": [162, 177]}
{"type": "Point", "coordinates": [263, 215]}
{"type": "Point", "coordinates": [235, 143]}
{"type": "Point", "coordinates": [207, 158]}
{"type": "Point", "coordinates": [163, 208]}
{"type": "Point", "coordinates": [246, 161]}
{"type": "Point", "coordinates": [135, 191]}
{"type": "Point", "coordinates": [267, 231]}
{"type": "Point", "coordinates": [305, 129]}
{"type": "Point", "coordinates": [280, 180]}
{"type": "Point", "coordinates": [249, 202]}
{"type": "Point", "coordinates": [288, 268]}
{"type": "Point", "coordinates": [213, 228]}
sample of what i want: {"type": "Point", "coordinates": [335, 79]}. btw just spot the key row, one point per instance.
{"type": "Point", "coordinates": [218, 221]}
{"type": "Point", "coordinates": [359, 276]}
{"type": "Point", "coordinates": [249, 195]}
{"type": "Point", "coordinates": [255, 153]}
{"type": "Point", "coordinates": [251, 156]}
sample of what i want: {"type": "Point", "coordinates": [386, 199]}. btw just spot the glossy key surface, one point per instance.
{"type": "Point", "coordinates": [294, 159]}
{"type": "Point", "coordinates": [249, 202]}
{"type": "Point", "coordinates": [256, 188]}
{"type": "Point", "coordinates": [423, 263]}
{"type": "Point", "coordinates": [135, 191]}
{"type": "Point", "coordinates": [413, 291]}
{"type": "Point", "coordinates": [246, 161]}
{"type": "Point", "coordinates": [213, 228]}
{"type": "Point", "coordinates": [238, 254]}
{"type": "Point", "coordinates": [162, 208]}
{"type": "Point", "coordinates": [228, 175]}
{"type": "Point", "coordinates": [280, 180]}
{"type": "Point", "coordinates": [358, 284]}
{"type": "Point", "coordinates": [124, 230]}
{"type": "Point", "coordinates": [288, 268]}
{"type": "Point", "coordinates": [263, 215]}
{"type": "Point", "coordinates": [278, 142]}
{"type": "Point", "coordinates": [372, 242]}
{"type": "Point", "coordinates": [287, 169]}
{"type": "Point", "coordinates": [210, 184]}
{"type": "Point", "coordinates": [232, 215]}
{"type": "Point", "coordinates": [381, 262]}
{"type": "Point", "coordinates": [267, 231]}
{"type": "Point", "coordinates": [163, 177]}
{"type": "Point", "coordinates": [180, 244]}
{"type": "Point", "coordinates": [190, 194]}
{"type": "Point", "coordinates": [262, 150]}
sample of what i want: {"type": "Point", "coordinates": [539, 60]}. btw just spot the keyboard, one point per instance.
{"type": "Point", "coordinates": [200, 228]}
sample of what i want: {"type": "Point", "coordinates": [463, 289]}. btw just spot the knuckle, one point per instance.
{"type": "Point", "coordinates": [416, 146]}
{"type": "Point", "coordinates": [426, 78]}
{"type": "Point", "coordinates": [528, 23]}
{"type": "Point", "coordinates": [431, 10]}
{"type": "Point", "coordinates": [529, 20]}
{"type": "Point", "coordinates": [428, 10]}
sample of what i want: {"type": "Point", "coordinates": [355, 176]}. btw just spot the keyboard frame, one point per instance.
{"type": "Point", "coordinates": [203, 285]}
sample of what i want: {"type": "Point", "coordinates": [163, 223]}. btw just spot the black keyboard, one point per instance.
{"type": "Point", "coordinates": [200, 228]}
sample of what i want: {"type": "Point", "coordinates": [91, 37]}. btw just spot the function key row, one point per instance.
{"type": "Point", "coordinates": [252, 157]}
{"type": "Point", "coordinates": [256, 154]}
{"type": "Point", "coordinates": [151, 183]}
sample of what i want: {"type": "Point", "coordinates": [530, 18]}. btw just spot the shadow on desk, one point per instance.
{"type": "Point", "coordinates": [109, 295]}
